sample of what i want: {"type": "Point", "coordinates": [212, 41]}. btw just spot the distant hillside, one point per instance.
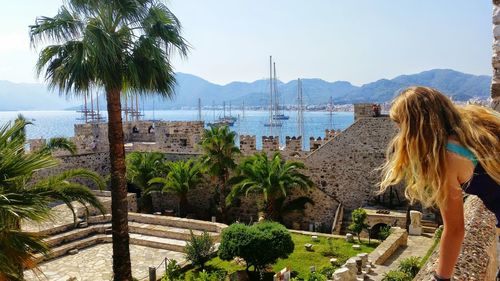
{"type": "Point", "coordinates": [189, 88]}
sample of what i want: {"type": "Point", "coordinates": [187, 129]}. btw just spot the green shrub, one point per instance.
{"type": "Point", "coordinates": [439, 232]}
{"type": "Point", "coordinates": [410, 266]}
{"type": "Point", "coordinates": [173, 271]}
{"type": "Point", "coordinates": [259, 245]}
{"type": "Point", "coordinates": [205, 276]}
{"type": "Point", "coordinates": [384, 232]}
{"type": "Point", "coordinates": [396, 275]}
{"type": "Point", "coordinates": [358, 217]}
{"type": "Point", "coordinates": [199, 249]}
{"type": "Point", "coordinates": [315, 276]}
{"type": "Point", "coordinates": [327, 271]}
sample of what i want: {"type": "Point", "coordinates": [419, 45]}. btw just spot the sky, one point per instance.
{"type": "Point", "coordinates": [356, 41]}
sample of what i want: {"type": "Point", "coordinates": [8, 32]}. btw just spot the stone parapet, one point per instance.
{"type": "Point", "coordinates": [478, 258]}
{"type": "Point", "coordinates": [398, 238]}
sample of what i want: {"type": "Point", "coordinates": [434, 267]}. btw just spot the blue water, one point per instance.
{"type": "Point", "coordinates": [60, 123]}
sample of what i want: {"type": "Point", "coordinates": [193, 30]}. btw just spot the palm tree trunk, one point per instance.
{"type": "Point", "coordinates": [183, 205]}
{"type": "Point", "coordinates": [119, 207]}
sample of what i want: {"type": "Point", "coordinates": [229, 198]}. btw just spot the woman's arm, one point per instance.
{"type": "Point", "coordinates": [452, 212]}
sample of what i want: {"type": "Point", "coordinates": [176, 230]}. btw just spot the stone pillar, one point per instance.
{"type": "Point", "coordinates": [415, 227]}
{"type": "Point", "coordinates": [495, 81]}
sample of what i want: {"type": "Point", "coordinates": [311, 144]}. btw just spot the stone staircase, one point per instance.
{"type": "Point", "coordinates": [161, 232]}
{"type": "Point", "coordinates": [429, 226]}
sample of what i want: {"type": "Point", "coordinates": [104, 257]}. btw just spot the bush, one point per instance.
{"type": "Point", "coordinates": [410, 266]}
{"type": "Point", "coordinates": [259, 245]}
{"type": "Point", "coordinates": [173, 271]}
{"type": "Point", "coordinates": [384, 232]}
{"type": "Point", "coordinates": [205, 276]}
{"type": "Point", "coordinates": [438, 232]}
{"type": "Point", "coordinates": [396, 275]}
{"type": "Point", "coordinates": [315, 276]}
{"type": "Point", "coordinates": [200, 249]}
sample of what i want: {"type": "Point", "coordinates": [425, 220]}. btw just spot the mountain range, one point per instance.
{"type": "Point", "coordinates": [460, 86]}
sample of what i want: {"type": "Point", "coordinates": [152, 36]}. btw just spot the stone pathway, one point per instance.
{"type": "Point", "coordinates": [417, 246]}
{"type": "Point", "coordinates": [95, 264]}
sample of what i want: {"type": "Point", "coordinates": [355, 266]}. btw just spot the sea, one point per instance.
{"type": "Point", "coordinates": [47, 124]}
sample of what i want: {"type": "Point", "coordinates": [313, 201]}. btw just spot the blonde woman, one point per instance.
{"type": "Point", "coordinates": [441, 151]}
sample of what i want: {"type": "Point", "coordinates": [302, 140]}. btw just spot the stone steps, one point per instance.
{"type": "Point", "coordinates": [429, 223]}
{"type": "Point", "coordinates": [158, 242]}
{"type": "Point", "coordinates": [63, 249]}
{"type": "Point", "coordinates": [166, 231]}
{"type": "Point", "coordinates": [428, 229]}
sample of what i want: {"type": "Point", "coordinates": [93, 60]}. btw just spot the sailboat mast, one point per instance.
{"type": "Point", "coordinates": [199, 109]}
{"type": "Point", "coordinates": [224, 108]}
{"type": "Point", "coordinates": [92, 106]}
{"type": "Point", "coordinates": [137, 107]}
{"type": "Point", "coordinates": [97, 105]}
{"type": "Point", "coordinates": [271, 95]}
{"type": "Point", "coordinates": [276, 97]}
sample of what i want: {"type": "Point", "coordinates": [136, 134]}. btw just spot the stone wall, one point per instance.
{"type": "Point", "coordinates": [478, 258]}
{"type": "Point", "coordinates": [398, 238]}
{"type": "Point", "coordinates": [345, 166]}
{"type": "Point", "coordinates": [180, 137]}
{"type": "Point", "coordinates": [495, 82]}
{"type": "Point", "coordinates": [248, 144]}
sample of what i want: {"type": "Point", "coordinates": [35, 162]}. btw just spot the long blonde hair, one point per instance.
{"type": "Point", "coordinates": [417, 154]}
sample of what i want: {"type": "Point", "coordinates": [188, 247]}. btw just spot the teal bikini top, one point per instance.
{"type": "Point", "coordinates": [462, 151]}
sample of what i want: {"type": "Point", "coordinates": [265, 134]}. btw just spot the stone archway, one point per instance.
{"type": "Point", "coordinates": [376, 229]}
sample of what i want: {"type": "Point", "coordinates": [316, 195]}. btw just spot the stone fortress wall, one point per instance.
{"type": "Point", "coordinates": [340, 164]}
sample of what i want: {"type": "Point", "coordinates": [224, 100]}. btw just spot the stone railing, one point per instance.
{"type": "Point", "coordinates": [398, 238]}
{"type": "Point", "coordinates": [478, 259]}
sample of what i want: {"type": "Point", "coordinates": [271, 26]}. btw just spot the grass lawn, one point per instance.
{"type": "Point", "coordinates": [301, 260]}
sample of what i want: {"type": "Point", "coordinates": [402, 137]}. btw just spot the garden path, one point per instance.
{"type": "Point", "coordinates": [95, 263]}
{"type": "Point", "coordinates": [417, 246]}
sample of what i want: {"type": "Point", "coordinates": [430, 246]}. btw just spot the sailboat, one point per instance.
{"type": "Point", "coordinates": [224, 120]}
{"type": "Point", "coordinates": [272, 86]}
{"type": "Point", "coordinates": [279, 113]}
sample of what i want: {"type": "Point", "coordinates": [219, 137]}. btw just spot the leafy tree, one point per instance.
{"type": "Point", "coordinates": [143, 167]}
{"type": "Point", "coordinates": [22, 198]}
{"type": "Point", "coordinates": [220, 151]}
{"type": "Point", "coordinates": [259, 245]}
{"type": "Point", "coordinates": [358, 223]}
{"type": "Point", "coordinates": [173, 271]}
{"type": "Point", "coordinates": [200, 249]}
{"type": "Point", "coordinates": [117, 46]}
{"type": "Point", "coordinates": [182, 177]}
{"type": "Point", "coordinates": [273, 179]}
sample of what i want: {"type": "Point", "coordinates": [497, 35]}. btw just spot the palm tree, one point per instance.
{"type": "Point", "coordinates": [117, 46]}
{"type": "Point", "coordinates": [220, 151]}
{"type": "Point", "coordinates": [21, 198]}
{"type": "Point", "coordinates": [272, 179]}
{"type": "Point", "coordinates": [182, 177]}
{"type": "Point", "coordinates": [141, 168]}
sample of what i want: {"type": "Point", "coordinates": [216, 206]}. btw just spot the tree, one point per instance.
{"type": "Point", "coordinates": [259, 245]}
{"type": "Point", "coordinates": [219, 156]}
{"type": "Point", "coordinates": [143, 167]}
{"type": "Point", "coordinates": [117, 46]}
{"type": "Point", "coordinates": [182, 177]}
{"type": "Point", "coordinates": [22, 198]}
{"type": "Point", "coordinates": [273, 179]}
{"type": "Point", "coordinates": [358, 223]}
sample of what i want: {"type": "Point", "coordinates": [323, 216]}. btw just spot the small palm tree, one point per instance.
{"type": "Point", "coordinates": [21, 198]}
{"type": "Point", "coordinates": [182, 177]}
{"type": "Point", "coordinates": [141, 168]}
{"type": "Point", "coordinates": [273, 179]}
{"type": "Point", "coordinates": [220, 151]}
{"type": "Point", "coordinates": [116, 46]}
